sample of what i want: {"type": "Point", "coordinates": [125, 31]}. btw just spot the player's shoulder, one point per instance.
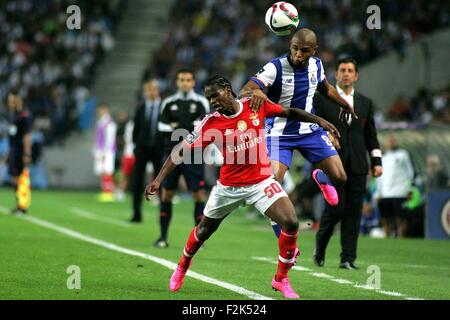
{"type": "Point", "coordinates": [278, 59]}
{"type": "Point", "coordinates": [197, 96]}
{"type": "Point", "coordinates": [208, 120]}
{"type": "Point", "coordinates": [245, 101]}
{"type": "Point", "coordinates": [170, 99]}
{"type": "Point", "coordinates": [316, 59]}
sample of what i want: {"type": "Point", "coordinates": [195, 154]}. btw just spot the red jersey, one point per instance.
{"type": "Point", "coordinates": [240, 137]}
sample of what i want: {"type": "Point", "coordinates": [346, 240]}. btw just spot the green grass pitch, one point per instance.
{"type": "Point", "coordinates": [34, 258]}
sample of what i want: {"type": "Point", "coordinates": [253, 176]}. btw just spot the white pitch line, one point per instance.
{"type": "Point", "coordinates": [340, 281]}
{"type": "Point", "coordinates": [166, 263]}
{"type": "Point", "coordinates": [92, 216]}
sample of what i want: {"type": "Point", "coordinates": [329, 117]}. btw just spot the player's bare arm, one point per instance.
{"type": "Point", "coordinates": [301, 115]}
{"type": "Point", "coordinates": [253, 91]}
{"type": "Point", "coordinates": [331, 93]}
{"type": "Point", "coordinates": [169, 165]}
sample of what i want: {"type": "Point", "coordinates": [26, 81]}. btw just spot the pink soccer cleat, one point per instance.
{"type": "Point", "coordinates": [329, 192]}
{"type": "Point", "coordinates": [177, 278]}
{"type": "Point", "coordinates": [285, 288]}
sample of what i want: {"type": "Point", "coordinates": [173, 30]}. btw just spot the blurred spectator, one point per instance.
{"type": "Point", "coordinates": [399, 110]}
{"type": "Point", "coordinates": [147, 142]}
{"type": "Point", "coordinates": [104, 152]}
{"type": "Point", "coordinates": [437, 178]}
{"type": "Point", "coordinates": [124, 155]}
{"type": "Point", "coordinates": [414, 211]}
{"type": "Point", "coordinates": [51, 64]}
{"type": "Point", "coordinates": [394, 186]}
{"type": "Point", "coordinates": [232, 31]}
{"type": "Point", "coordinates": [38, 176]}
{"type": "Point", "coordinates": [4, 149]}
{"type": "Point", "coordinates": [370, 215]}
{"type": "Point", "coordinates": [19, 151]}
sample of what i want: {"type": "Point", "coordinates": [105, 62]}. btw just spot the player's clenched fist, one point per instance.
{"type": "Point", "coordinates": [151, 189]}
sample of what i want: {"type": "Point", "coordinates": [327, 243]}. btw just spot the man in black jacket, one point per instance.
{"type": "Point", "coordinates": [146, 141]}
{"type": "Point", "coordinates": [358, 138]}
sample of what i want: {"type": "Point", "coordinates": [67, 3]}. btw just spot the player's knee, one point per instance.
{"type": "Point", "coordinates": [290, 223]}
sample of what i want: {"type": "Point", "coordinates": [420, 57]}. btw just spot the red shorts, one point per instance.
{"type": "Point", "coordinates": [127, 165]}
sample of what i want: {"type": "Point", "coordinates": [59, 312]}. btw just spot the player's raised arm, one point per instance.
{"type": "Point", "coordinates": [331, 93]}
{"type": "Point", "coordinates": [301, 115]}
{"type": "Point", "coordinates": [171, 162]}
{"type": "Point", "coordinates": [255, 93]}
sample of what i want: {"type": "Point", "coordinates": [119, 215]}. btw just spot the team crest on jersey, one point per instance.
{"type": "Point", "coordinates": [254, 118]}
{"type": "Point", "coordinates": [313, 80]}
{"type": "Point", "coordinates": [242, 125]}
{"type": "Point", "coordinates": [174, 107]}
{"type": "Point", "coordinates": [193, 108]}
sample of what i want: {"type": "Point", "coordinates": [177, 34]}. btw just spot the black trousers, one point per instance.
{"type": "Point", "coordinates": [348, 211]}
{"type": "Point", "coordinates": [143, 156]}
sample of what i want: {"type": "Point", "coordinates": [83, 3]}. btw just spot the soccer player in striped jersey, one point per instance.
{"type": "Point", "coordinates": [291, 81]}
{"type": "Point", "coordinates": [245, 177]}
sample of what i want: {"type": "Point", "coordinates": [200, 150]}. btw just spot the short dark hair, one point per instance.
{"type": "Point", "coordinates": [221, 82]}
{"type": "Point", "coordinates": [186, 70]}
{"type": "Point", "coordinates": [347, 60]}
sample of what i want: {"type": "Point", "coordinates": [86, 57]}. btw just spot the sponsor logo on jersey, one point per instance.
{"type": "Point", "coordinates": [242, 125]}
{"type": "Point", "coordinates": [314, 127]}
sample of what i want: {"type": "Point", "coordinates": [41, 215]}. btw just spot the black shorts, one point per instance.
{"type": "Point", "coordinates": [15, 163]}
{"type": "Point", "coordinates": [194, 174]}
{"type": "Point", "coordinates": [392, 208]}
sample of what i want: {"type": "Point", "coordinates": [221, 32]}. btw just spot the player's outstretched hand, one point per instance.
{"type": "Point", "coordinates": [344, 114]}
{"type": "Point", "coordinates": [151, 189]}
{"type": "Point", "coordinates": [334, 140]}
{"type": "Point", "coordinates": [257, 99]}
{"type": "Point", "coordinates": [329, 127]}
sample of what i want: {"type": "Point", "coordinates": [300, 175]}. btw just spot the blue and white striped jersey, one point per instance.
{"type": "Point", "coordinates": [293, 88]}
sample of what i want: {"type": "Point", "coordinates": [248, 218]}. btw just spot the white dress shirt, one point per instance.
{"type": "Point", "coordinates": [348, 98]}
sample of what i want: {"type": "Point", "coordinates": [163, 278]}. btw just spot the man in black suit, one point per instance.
{"type": "Point", "coordinates": [146, 141]}
{"type": "Point", "coordinates": [358, 138]}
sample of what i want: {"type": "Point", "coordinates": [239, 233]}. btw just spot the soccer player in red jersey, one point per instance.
{"type": "Point", "coordinates": [245, 177]}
